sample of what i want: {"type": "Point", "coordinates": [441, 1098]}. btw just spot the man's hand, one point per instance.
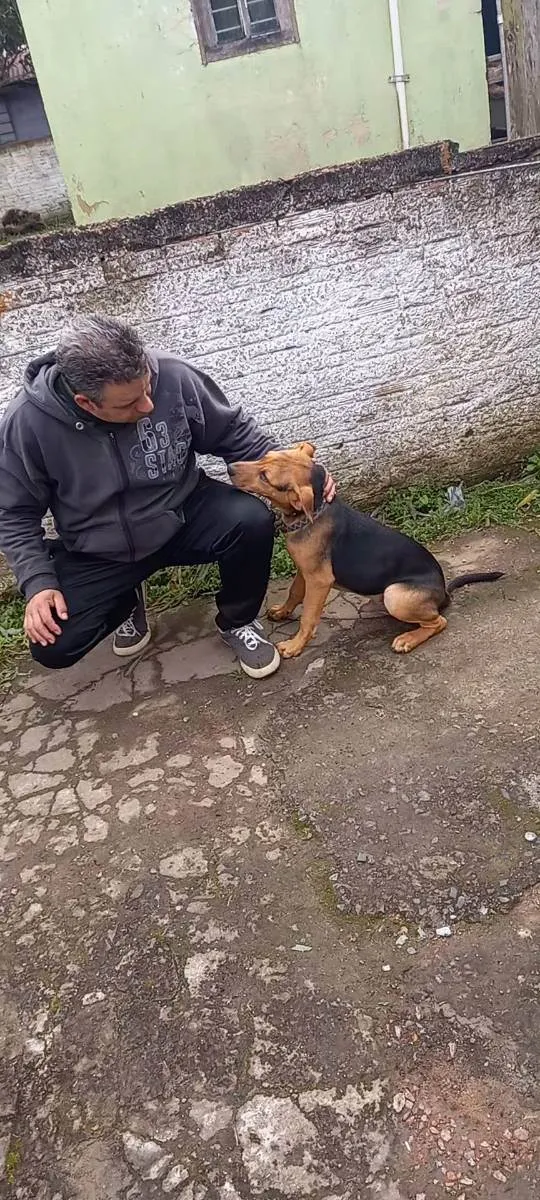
{"type": "Point", "coordinates": [329, 489]}
{"type": "Point", "coordinates": [40, 626]}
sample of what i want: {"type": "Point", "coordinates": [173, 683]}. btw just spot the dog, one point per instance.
{"type": "Point", "coordinates": [334, 545]}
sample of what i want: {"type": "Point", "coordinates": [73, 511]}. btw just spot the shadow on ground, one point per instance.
{"type": "Point", "coordinates": [278, 939]}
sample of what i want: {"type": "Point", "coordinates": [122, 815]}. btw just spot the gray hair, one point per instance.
{"type": "Point", "coordinates": [97, 350]}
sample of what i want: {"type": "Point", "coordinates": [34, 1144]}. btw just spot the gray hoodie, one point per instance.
{"type": "Point", "coordinates": [115, 491]}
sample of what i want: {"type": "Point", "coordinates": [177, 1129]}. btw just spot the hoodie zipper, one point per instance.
{"type": "Point", "coordinates": [121, 498]}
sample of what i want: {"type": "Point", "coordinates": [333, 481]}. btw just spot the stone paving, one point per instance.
{"type": "Point", "coordinates": [278, 939]}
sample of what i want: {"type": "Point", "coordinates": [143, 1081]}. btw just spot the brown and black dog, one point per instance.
{"type": "Point", "coordinates": [333, 544]}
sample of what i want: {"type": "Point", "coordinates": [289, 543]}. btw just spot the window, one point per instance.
{"type": "Point", "coordinates": [7, 132]}
{"type": "Point", "coordinates": [230, 27]}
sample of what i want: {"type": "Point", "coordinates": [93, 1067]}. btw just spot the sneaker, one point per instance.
{"type": "Point", "coordinates": [257, 656]}
{"type": "Point", "coordinates": [131, 637]}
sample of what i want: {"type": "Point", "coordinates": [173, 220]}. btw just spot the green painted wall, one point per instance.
{"type": "Point", "coordinates": [443, 51]}
{"type": "Point", "coordinates": [139, 122]}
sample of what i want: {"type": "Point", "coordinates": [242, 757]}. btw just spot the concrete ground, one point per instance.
{"type": "Point", "coordinates": [279, 939]}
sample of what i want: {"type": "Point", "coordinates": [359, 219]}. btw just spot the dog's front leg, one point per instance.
{"type": "Point", "coordinates": [281, 612]}
{"type": "Point", "coordinates": [317, 589]}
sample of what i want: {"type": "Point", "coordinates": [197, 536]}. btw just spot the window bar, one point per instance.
{"type": "Point", "coordinates": [244, 16]}
{"type": "Point", "coordinates": [262, 26]}
{"type": "Point", "coordinates": [225, 6]}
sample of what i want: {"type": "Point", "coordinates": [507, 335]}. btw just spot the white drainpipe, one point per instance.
{"type": "Point", "coordinates": [399, 78]}
{"type": "Point", "coordinates": [504, 61]}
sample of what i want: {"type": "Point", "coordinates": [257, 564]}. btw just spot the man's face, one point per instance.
{"type": "Point", "coordinates": [122, 403]}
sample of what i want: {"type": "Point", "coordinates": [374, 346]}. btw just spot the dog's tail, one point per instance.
{"type": "Point", "coordinates": [475, 577]}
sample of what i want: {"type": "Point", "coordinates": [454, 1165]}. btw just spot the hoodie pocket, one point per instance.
{"type": "Point", "coordinates": [146, 537]}
{"type": "Point", "coordinates": [150, 535]}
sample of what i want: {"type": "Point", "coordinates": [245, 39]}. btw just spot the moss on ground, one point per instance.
{"type": "Point", "coordinates": [367, 925]}
{"type": "Point", "coordinates": [12, 1162]}
{"type": "Point", "coordinates": [510, 812]}
{"type": "Point", "coordinates": [422, 512]}
{"type": "Point", "coordinates": [302, 826]}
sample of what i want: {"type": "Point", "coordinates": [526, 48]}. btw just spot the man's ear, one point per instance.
{"type": "Point", "coordinates": [302, 500]}
{"type": "Point", "coordinates": [84, 403]}
{"type": "Point", "coordinates": [305, 448]}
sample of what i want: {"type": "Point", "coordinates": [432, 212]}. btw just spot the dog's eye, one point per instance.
{"type": "Point", "coordinates": [264, 477]}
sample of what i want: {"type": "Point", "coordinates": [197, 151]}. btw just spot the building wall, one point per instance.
{"type": "Point", "coordinates": [399, 333]}
{"type": "Point", "coordinates": [140, 123]}
{"type": "Point", "coordinates": [30, 178]}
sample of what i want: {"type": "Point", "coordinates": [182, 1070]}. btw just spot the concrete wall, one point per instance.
{"type": "Point", "coordinates": [139, 122]}
{"type": "Point", "coordinates": [31, 178]}
{"type": "Point", "coordinates": [399, 332]}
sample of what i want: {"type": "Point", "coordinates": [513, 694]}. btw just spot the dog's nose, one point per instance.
{"type": "Point", "coordinates": [231, 470]}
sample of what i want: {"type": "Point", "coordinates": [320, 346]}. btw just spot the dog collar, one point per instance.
{"type": "Point", "coordinates": [299, 523]}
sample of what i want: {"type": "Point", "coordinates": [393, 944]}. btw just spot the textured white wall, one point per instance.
{"type": "Point", "coordinates": [30, 178]}
{"type": "Point", "coordinates": [399, 333]}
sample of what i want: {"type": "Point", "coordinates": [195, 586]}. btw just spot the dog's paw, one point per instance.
{"type": "Point", "coordinates": [402, 644]}
{"type": "Point", "coordinates": [278, 612]}
{"type": "Point", "coordinates": [290, 649]}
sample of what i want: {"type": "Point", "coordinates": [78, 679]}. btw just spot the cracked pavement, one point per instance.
{"type": "Point", "coordinates": [278, 939]}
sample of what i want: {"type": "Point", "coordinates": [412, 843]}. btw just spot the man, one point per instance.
{"type": "Point", "coordinates": [104, 435]}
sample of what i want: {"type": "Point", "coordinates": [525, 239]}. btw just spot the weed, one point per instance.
{"type": "Point", "coordinates": [532, 467]}
{"type": "Point", "coordinates": [12, 640]}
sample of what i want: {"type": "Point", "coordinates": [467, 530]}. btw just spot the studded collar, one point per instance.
{"type": "Point", "coordinates": [297, 524]}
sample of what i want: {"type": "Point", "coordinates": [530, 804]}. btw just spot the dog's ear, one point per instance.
{"type": "Point", "coordinates": [318, 481]}
{"type": "Point", "coordinates": [303, 500]}
{"type": "Point", "coordinates": [305, 448]}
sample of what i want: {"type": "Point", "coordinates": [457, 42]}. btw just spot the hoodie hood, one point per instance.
{"type": "Point", "coordinates": [39, 386]}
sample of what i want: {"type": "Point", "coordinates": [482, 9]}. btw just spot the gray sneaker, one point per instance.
{"type": "Point", "coordinates": [257, 656]}
{"type": "Point", "coordinates": [132, 637]}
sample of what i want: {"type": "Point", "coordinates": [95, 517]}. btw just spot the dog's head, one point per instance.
{"type": "Point", "coordinates": [288, 478]}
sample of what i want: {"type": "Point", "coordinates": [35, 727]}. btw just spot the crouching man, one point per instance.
{"type": "Point", "coordinates": [104, 434]}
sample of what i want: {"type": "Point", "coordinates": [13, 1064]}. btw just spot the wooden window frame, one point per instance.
{"type": "Point", "coordinates": [212, 51]}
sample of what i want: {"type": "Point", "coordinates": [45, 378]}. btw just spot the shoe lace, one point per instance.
{"type": "Point", "coordinates": [128, 629]}
{"type": "Point", "coordinates": [249, 636]}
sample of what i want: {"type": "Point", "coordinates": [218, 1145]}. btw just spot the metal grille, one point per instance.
{"type": "Point", "coordinates": [7, 132]}
{"type": "Point", "coordinates": [235, 20]}
{"type": "Point", "coordinates": [262, 17]}
{"type": "Point", "coordinates": [227, 21]}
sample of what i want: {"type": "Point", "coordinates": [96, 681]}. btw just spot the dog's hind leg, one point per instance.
{"type": "Point", "coordinates": [297, 591]}
{"type": "Point", "coordinates": [414, 606]}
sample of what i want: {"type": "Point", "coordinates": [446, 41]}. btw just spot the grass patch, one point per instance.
{"type": "Point", "coordinates": [179, 585]}
{"type": "Point", "coordinates": [425, 513]}
{"type": "Point", "coordinates": [422, 512]}
{"type": "Point", "coordinates": [51, 224]}
{"type": "Point", "coordinates": [12, 639]}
